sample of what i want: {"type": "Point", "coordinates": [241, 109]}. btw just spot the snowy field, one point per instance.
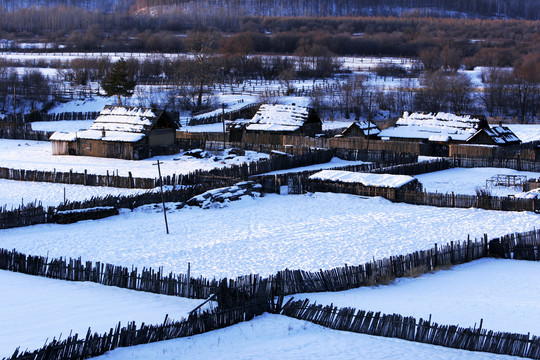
{"type": "Point", "coordinates": [37, 155]}
{"type": "Point", "coordinates": [504, 293]}
{"type": "Point", "coordinates": [15, 193]}
{"type": "Point", "coordinates": [465, 181]}
{"type": "Point", "coordinates": [41, 308]}
{"type": "Point", "coordinates": [275, 337]}
{"type": "Point", "coordinates": [264, 235]}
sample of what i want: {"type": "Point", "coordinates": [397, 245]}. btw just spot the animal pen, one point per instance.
{"type": "Point", "coordinates": [511, 181]}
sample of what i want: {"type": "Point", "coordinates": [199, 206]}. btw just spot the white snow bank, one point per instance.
{"type": "Point", "coordinates": [35, 309]}
{"type": "Point", "coordinates": [264, 235]}
{"type": "Point", "coordinates": [366, 179]}
{"type": "Point", "coordinates": [501, 292]}
{"type": "Point", "coordinates": [275, 337]}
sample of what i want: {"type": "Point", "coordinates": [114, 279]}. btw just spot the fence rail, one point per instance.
{"type": "Point", "coordinates": [408, 328]}
{"type": "Point", "coordinates": [243, 298]}
{"type": "Point", "coordinates": [92, 345]}
{"type": "Point", "coordinates": [523, 246]}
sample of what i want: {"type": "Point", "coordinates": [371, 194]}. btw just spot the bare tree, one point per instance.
{"type": "Point", "coordinates": [202, 45]}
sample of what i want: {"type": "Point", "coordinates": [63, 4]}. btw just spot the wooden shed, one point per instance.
{"type": "Point", "coordinates": [363, 129]}
{"type": "Point", "coordinates": [282, 120]}
{"type": "Point", "coordinates": [130, 133]}
{"type": "Point", "coordinates": [435, 127]}
{"type": "Point", "coordinates": [358, 183]}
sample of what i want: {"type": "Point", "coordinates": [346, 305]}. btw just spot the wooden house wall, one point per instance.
{"type": "Point", "coordinates": [159, 137]}
{"type": "Point", "coordinates": [109, 149]}
{"type": "Point", "coordinates": [481, 138]}
{"type": "Point", "coordinates": [60, 147]}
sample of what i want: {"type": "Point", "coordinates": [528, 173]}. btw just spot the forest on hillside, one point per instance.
{"type": "Point", "coordinates": [503, 9]}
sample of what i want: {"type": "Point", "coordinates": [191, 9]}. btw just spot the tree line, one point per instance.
{"type": "Point", "coordinates": [524, 9]}
{"type": "Point", "coordinates": [455, 42]}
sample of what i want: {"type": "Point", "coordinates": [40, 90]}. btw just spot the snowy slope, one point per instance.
{"type": "Point", "coordinates": [265, 235]}
{"type": "Point", "coordinates": [504, 293]}
{"type": "Point", "coordinates": [275, 337]}
{"type": "Point", "coordinates": [41, 308]}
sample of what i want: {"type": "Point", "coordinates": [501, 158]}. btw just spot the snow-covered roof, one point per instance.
{"type": "Point", "coordinates": [279, 118]}
{"type": "Point", "coordinates": [366, 179]}
{"type": "Point", "coordinates": [116, 123]}
{"type": "Point", "coordinates": [63, 136]}
{"type": "Point", "coordinates": [502, 135]}
{"type": "Point", "coordinates": [271, 127]}
{"type": "Point", "coordinates": [125, 119]}
{"type": "Point", "coordinates": [367, 127]}
{"type": "Point", "coordinates": [110, 135]}
{"type": "Point", "coordinates": [434, 127]}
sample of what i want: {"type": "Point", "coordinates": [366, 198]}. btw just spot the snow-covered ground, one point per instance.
{"type": "Point", "coordinates": [37, 155]}
{"type": "Point", "coordinates": [15, 193]}
{"type": "Point", "coordinates": [264, 235]}
{"type": "Point", "coordinates": [35, 309]}
{"type": "Point", "coordinates": [276, 337]}
{"type": "Point", "coordinates": [466, 181]}
{"type": "Point", "coordinates": [504, 293]}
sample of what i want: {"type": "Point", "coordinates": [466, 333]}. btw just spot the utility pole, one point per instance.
{"type": "Point", "coordinates": [368, 124]}
{"type": "Point", "coordinates": [223, 121]}
{"type": "Point", "coordinates": [162, 198]}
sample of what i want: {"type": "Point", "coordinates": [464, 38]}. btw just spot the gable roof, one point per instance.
{"type": "Point", "coordinates": [435, 126]}
{"type": "Point", "coordinates": [366, 179]}
{"type": "Point", "coordinates": [365, 126]}
{"type": "Point", "coordinates": [502, 135]}
{"type": "Point", "coordinates": [279, 118]}
{"type": "Point", "coordinates": [118, 123]}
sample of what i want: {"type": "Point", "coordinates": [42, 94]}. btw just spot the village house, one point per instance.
{"type": "Point", "coordinates": [362, 128]}
{"type": "Point", "coordinates": [278, 120]}
{"type": "Point", "coordinates": [446, 128]}
{"type": "Point", "coordinates": [368, 184]}
{"type": "Point", "coordinates": [130, 133]}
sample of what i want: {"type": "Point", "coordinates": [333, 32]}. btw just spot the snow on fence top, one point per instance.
{"type": "Point", "coordinates": [279, 118]}
{"type": "Point", "coordinates": [366, 179]}
{"type": "Point", "coordinates": [435, 126]}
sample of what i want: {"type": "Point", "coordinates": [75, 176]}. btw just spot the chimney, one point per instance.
{"type": "Point", "coordinates": [103, 132]}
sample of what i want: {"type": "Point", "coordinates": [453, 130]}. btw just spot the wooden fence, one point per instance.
{"type": "Point", "coordinates": [24, 134]}
{"type": "Point", "coordinates": [236, 172]}
{"type": "Point", "coordinates": [408, 328]}
{"type": "Point", "coordinates": [424, 198]}
{"type": "Point", "coordinates": [92, 345]}
{"type": "Point", "coordinates": [256, 295]}
{"type": "Point", "coordinates": [90, 115]}
{"type": "Point", "coordinates": [510, 163]}
{"type": "Point", "coordinates": [35, 213]}
{"type": "Point", "coordinates": [148, 280]}
{"type": "Point", "coordinates": [522, 152]}
{"type": "Point", "coordinates": [522, 246]}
